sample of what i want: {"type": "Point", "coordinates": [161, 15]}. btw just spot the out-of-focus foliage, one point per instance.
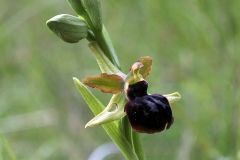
{"type": "Point", "coordinates": [5, 150]}
{"type": "Point", "coordinates": [195, 49]}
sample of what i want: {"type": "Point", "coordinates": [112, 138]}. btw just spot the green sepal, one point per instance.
{"type": "Point", "coordinates": [69, 28]}
{"type": "Point", "coordinates": [107, 83]}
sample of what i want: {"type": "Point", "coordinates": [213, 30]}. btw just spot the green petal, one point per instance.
{"type": "Point", "coordinates": [173, 97]}
{"type": "Point", "coordinates": [113, 111]}
{"type": "Point", "coordinates": [147, 66]}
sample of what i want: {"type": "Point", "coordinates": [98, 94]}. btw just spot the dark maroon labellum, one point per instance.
{"type": "Point", "coordinates": [138, 89]}
{"type": "Point", "coordinates": [147, 113]}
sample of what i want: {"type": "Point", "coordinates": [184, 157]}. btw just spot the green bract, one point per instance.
{"type": "Point", "coordinates": [69, 28]}
{"type": "Point", "coordinates": [77, 5]}
{"type": "Point", "coordinates": [93, 8]}
{"type": "Point", "coordinates": [105, 65]}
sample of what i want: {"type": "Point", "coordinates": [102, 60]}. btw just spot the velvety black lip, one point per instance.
{"type": "Point", "coordinates": [149, 113]}
{"type": "Point", "coordinates": [138, 89]}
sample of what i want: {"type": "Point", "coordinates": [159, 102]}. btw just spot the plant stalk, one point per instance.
{"type": "Point", "coordinates": [106, 45]}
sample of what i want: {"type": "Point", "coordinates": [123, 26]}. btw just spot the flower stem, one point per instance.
{"type": "Point", "coordinates": [126, 129]}
{"type": "Point", "coordinates": [104, 42]}
{"type": "Point", "coordinates": [106, 45]}
{"type": "Point", "coordinates": [137, 146]}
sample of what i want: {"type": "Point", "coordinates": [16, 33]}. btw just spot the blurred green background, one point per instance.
{"type": "Point", "coordinates": [195, 45]}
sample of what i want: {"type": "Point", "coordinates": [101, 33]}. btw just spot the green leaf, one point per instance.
{"type": "Point", "coordinates": [147, 66]}
{"type": "Point", "coordinates": [6, 151]}
{"type": "Point", "coordinates": [108, 83]}
{"type": "Point", "coordinates": [93, 8]}
{"type": "Point", "coordinates": [93, 103]}
{"type": "Point", "coordinates": [69, 28]}
{"type": "Point", "coordinates": [111, 128]}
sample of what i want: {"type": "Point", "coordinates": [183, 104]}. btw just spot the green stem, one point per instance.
{"type": "Point", "coordinates": [137, 145]}
{"type": "Point", "coordinates": [126, 129]}
{"type": "Point", "coordinates": [106, 45]}
{"type": "Point", "coordinates": [124, 125]}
